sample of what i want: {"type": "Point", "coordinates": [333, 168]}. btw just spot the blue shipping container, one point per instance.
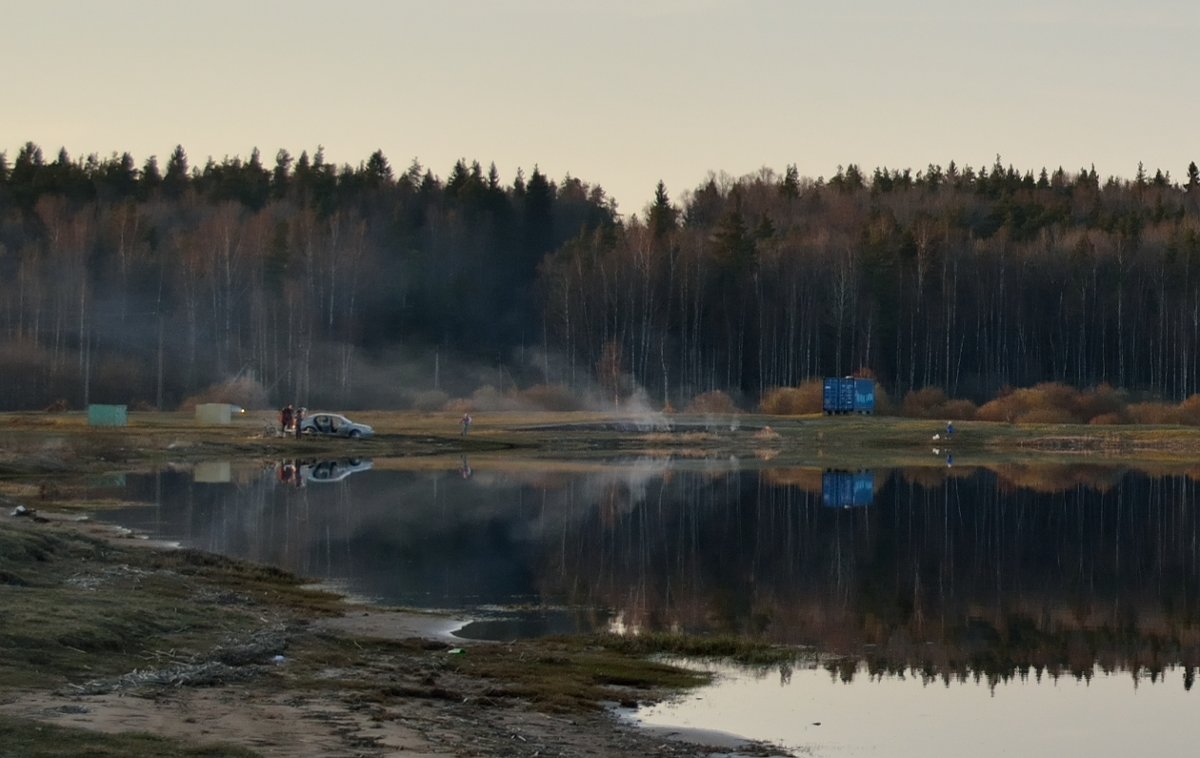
{"type": "Point", "coordinates": [829, 396]}
{"type": "Point", "coordinates": [864, 396]}
{"type": "Point", "coordinates": [848, 396]}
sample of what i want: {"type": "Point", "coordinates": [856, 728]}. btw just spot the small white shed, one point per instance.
{"type": "Point", "coordinates": [217, 413]}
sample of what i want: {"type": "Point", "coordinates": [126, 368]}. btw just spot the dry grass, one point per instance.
{"type": "Point", "coordinates": [40, 740]}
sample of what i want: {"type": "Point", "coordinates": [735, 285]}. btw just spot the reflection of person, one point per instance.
{"type": "Point", "coordinates": [465, 471]}
{"type": "Point", "coordinates": [466, 424]}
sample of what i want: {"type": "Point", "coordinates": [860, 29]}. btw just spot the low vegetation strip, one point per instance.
{"type": "Point", "coordinates": [21, 738]}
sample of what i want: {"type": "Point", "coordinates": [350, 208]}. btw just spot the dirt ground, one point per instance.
{"type": "Point", "coordinates": [337, 724]}
{"type": "Point", "coordinates": [431, 710]}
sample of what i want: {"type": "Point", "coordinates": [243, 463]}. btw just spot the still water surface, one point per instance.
{"type": "Point", "coordinates": [1001, 611]}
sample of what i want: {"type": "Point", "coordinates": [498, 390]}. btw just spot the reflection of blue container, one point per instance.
{"type": "Point", "coordinates": [845, 489]}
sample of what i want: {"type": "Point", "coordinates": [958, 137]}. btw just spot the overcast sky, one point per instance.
{"type": "Point", "coordinates": [619, 93]}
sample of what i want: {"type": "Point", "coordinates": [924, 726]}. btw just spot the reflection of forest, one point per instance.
{"type": "Point", "coordinates": [985, 573]}
{"type": "Point", "coordinates": [947, 573]}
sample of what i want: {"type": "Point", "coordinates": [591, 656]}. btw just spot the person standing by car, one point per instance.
{"type": "Point", "coordinates": [299, 419]}
{"type": "Point", "coordinates": [285, 418]}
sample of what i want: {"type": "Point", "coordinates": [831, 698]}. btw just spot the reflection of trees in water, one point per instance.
{"type": "Point", "coordinates": [1005, 581]}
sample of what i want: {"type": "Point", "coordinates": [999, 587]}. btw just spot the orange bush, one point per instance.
{"type": "Point", "coordinates": [1043, 397]}
{"type": "Point", "coordinates": [963, 410]}
{"type": "Point", "coordinates": [1189, 411]}
{"type": "Point", "coordinates": [931, 402]}
{"type": "Point", "coordinates": [793, 401]}
{"type": "Point", "coordinates": [712, 402]}
{"type": "Point", "coordinates": [923, 403]}
{"type": "Point", "coordinates": [1154, 413]}
{"type": "Point", "coordinates": [1100, 401]}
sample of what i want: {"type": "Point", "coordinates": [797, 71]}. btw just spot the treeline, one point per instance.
{"type": "Point", "coordinates": [128, 283]}
{"type": "Point", "coordinates": [966, 280]}
{"type": "Point", "coordinates": [145, 285]}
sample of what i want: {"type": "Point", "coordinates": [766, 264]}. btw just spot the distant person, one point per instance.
{"type": "Point", "coordinates": [285, 418]}
{"type": "Point", "coordinates": [949, 429]}
{"type": "Point", "coordinates": [299, 418]}
{"type": "Point", "coordinates": [466, 424]}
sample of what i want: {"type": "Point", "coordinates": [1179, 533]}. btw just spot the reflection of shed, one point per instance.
{"type": "Point", "coordinates": [107, 415]}
{"type": "Point", "coordinates": [846, 489]}
{"type": "Point", "coordinates": [212, 472]}
{"type": "Point", "coordinates": [216, 413]}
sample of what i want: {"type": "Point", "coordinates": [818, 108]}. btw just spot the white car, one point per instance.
{"type": "Point", "coordinates": [334, 425]}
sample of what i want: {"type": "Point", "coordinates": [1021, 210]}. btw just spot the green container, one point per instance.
{"type": "Point", "coordinates": [108, 415]}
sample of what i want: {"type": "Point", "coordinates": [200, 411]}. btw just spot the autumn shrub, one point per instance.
{"type": "Point", "coordinates": [1053, 395]}
{"type": "Point", "coordinates": [1154, 413]}
{"type": "Point", "coordinates": [1110, 419]}
{"type": "Point", "coordinates": [923, 403]}
{"type": "Point", "coordinates": [712, 402]}
{"type": "Point", "coordinates": [960, 409]}
{"type": "Point", "coordinates": [1100, 401]}
{"type": "Point", "coordinates": [243, 390]}
{"type": "Point", "coordinates": [1189, 411]}
{"type": "Point", "coordinates": [1018, 404]}
{"type": "Point", "coordinates": [794, 401]}
{"type": "Point", "coordinates": [884, 405]}
{"type": "Point", "coordinates": [931, 402]}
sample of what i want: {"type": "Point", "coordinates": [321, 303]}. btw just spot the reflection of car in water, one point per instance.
{"type": "Point", "coordinates": [334, 425]}
{"type": "Point", "coordinates": [300, 473]}
{"type": "Point", "coordinates": [333, 471]}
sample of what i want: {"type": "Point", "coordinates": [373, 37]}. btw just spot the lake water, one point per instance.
{"type": "Point", "coordinates": [941, 611]}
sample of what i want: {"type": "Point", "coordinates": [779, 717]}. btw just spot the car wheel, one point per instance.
{"type": "Point", "coordinates": [355, 434]}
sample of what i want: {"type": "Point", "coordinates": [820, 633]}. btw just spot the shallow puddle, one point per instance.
{"type": "Point", "coordinates": [814, 712]}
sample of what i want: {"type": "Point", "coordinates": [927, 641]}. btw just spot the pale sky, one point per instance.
{"type": "Point", "coordinates": [619, 93]}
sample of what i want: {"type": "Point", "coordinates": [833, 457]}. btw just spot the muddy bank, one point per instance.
{"type": "Point", "coordinates": [110, 635]}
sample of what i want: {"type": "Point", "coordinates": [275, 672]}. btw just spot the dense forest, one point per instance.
{"type": "Point", "coordinates": [370, 286]}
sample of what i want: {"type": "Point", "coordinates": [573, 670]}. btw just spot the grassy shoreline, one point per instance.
{"type": "Point", "coordinates": [59, 443]}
